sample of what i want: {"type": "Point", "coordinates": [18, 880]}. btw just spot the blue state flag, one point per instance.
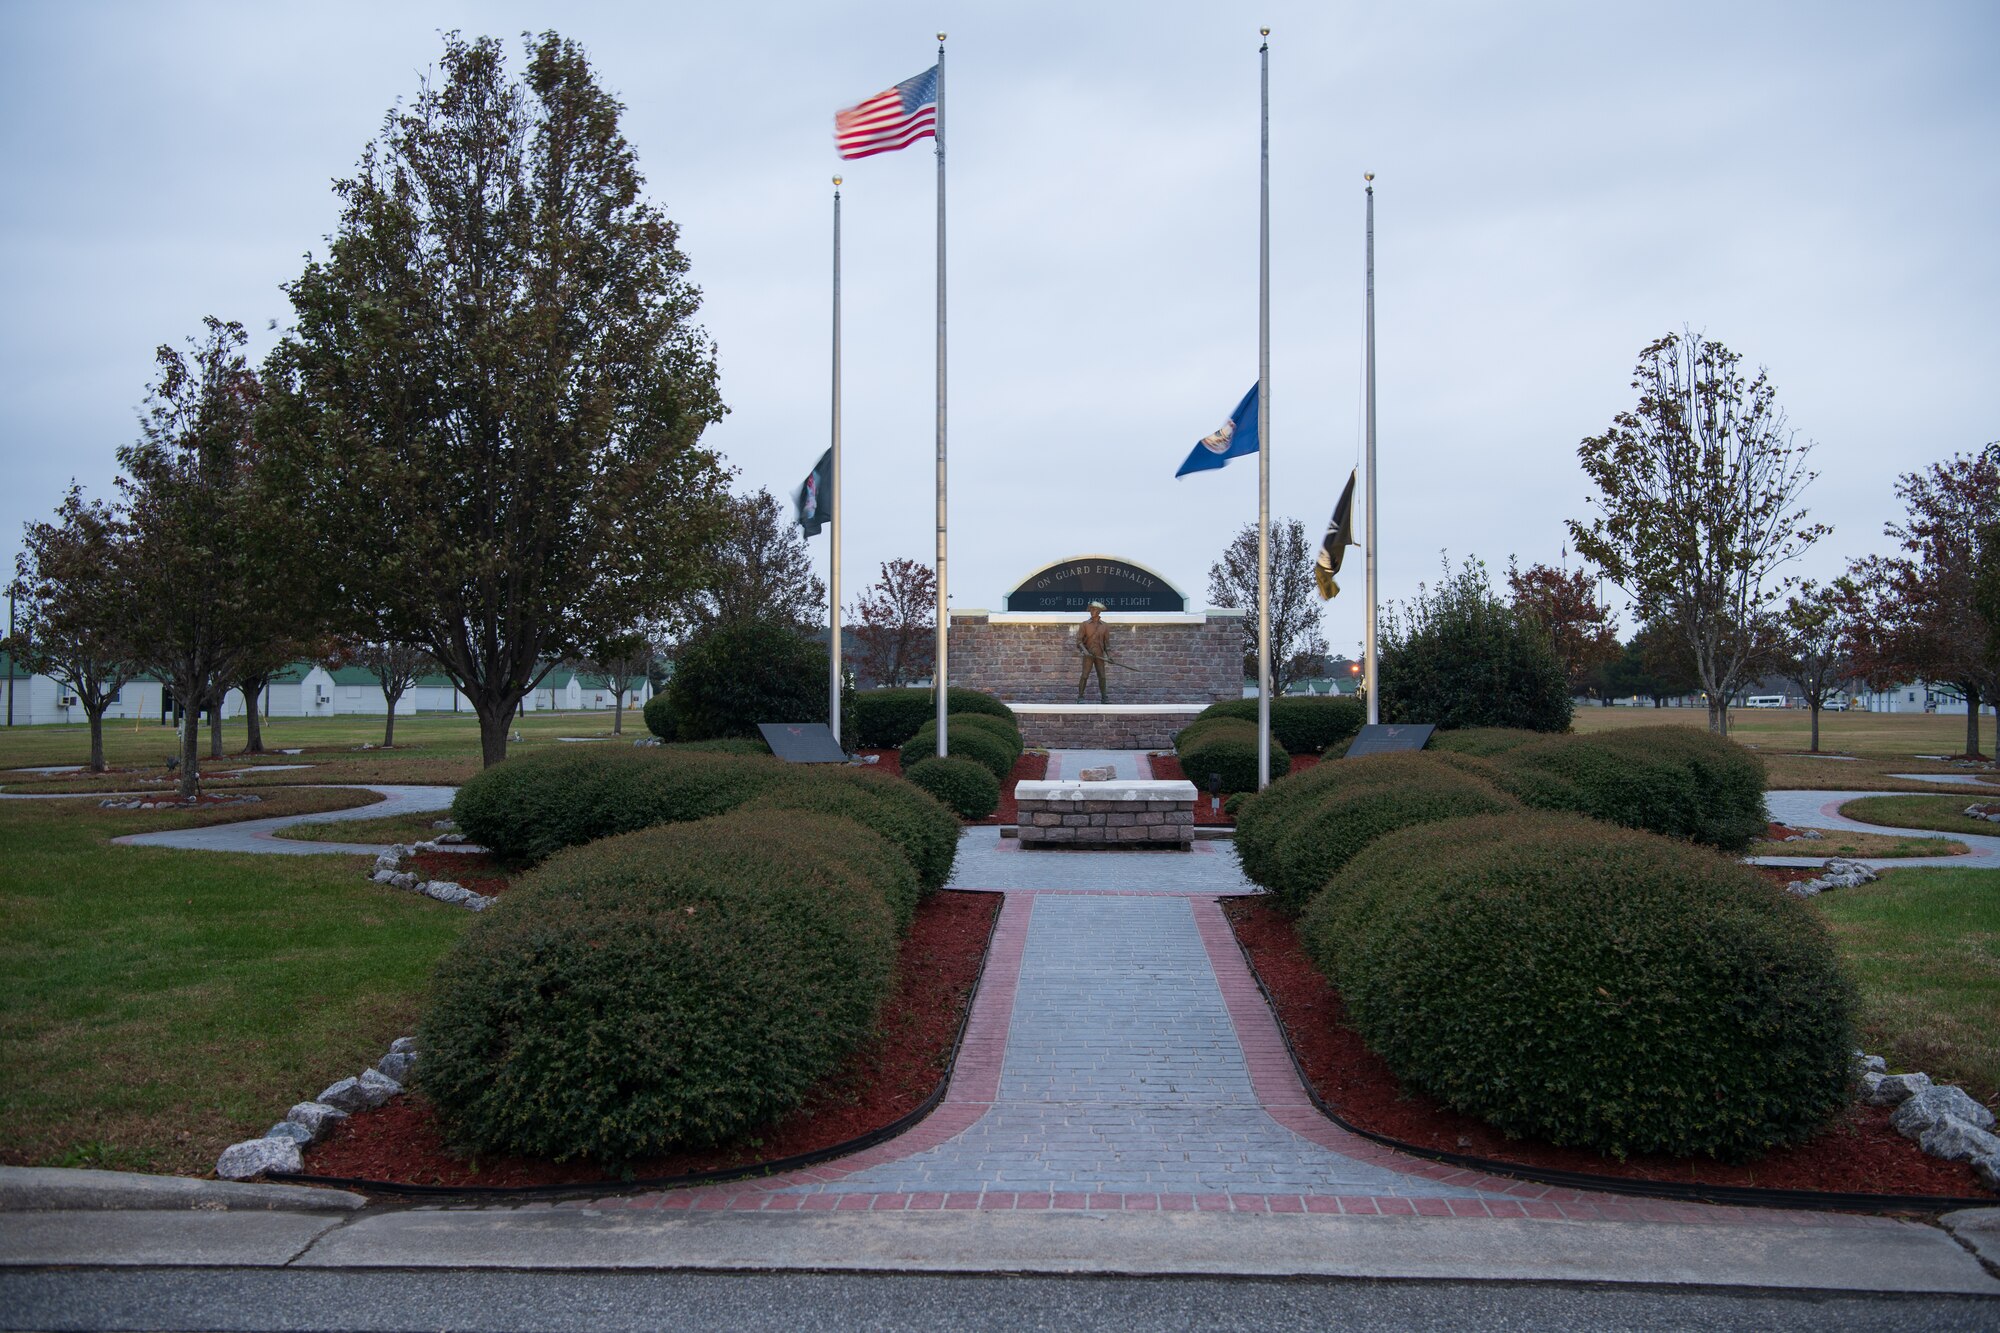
{"type": "Point", "coordinates": [1233, 439]}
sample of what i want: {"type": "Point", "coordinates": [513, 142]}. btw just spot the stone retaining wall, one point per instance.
{"type": "Point", "coordinates": [1088, 728]}
{"type": "Point", "coordinates": [1101, 815]}
{"type": "Point", "coordinates": [1196, 658]}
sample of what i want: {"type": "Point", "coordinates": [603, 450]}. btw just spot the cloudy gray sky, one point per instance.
{"type": "Point", "coordinates": [1814, 184]}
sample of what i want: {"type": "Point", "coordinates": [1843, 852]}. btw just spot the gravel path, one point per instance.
{"type": "Point", "coordinates": [256, 835]}
{"type": "Point", "coordinates": [1821, 810]}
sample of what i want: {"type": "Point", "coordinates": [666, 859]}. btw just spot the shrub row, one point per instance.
{"type": "Point", "coordinates": [665, 989]}
{"type": "Point", "coordinates": [1221, 752]}
{"type": "Point", "coordinates": [1299, 833]}
{"type": "Point", "coordinates": [963, 786]}
{"type": "Point", "coordinates": [1675, 781]}
{"type": "Point", "coordinates": [1302, 726]}
{"type": "Point", "coordinates": [1589, 986]}
{"type": "Point", "coordinates": [886, 719]}
{"type": "Point", "coordinates": [535, 805]}
{"type": "Point", "coordinates": [988, 741]}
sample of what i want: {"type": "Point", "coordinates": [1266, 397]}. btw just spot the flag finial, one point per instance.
{"type": "Point", "coordinates": [1263, 32]}
{"type": "Point", "coordinates": [940, 38]}
{"type": "Point", "coordinates": [836, 181]}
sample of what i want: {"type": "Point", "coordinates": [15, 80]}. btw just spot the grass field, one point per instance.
{"type": "Point", "coordinates": [1859, 750]}
{"type": "Point", "coordinates": [1841, 842]}
{"type": "Point", "coordinates": [1946, 814]}
{"type": "Point", "coordinates": [413, 827]}
{"type": "Point", "coordinates": [157, 1005]}
{"type": "Point", "coordinates": [430, 748]}
{"type": "Point", "coordinates": [1923, 944]}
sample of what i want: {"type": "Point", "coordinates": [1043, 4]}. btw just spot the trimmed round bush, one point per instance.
{"type": "Point", "coordinates": [922, 829]}
{"type": "Point", "coordinates": [961, 784]}
{"type": "Point", "coordinates": [1675, 781]}
{"type": "Point", "coordinates": [534, 805]}
{"type": "Point", "coordinates": [659, 714]}
{"type": "Point", "coordinates": [1484, 742]}
{"type": "Point", "coordinates": [667, 989]}
{"type": "Point", "coordinates": [1227, 748]}
{"type": "Point", "coordinates": [997, 727]}
{"type": "Point", "coordinates": [731, 677]}
{"type": "Point", "coordinates": [1302, 841]}
{"type": "Point", "coordinates": [964, 741]}
{"type": "Point", "coordinates": [1590, 986]}
{"type": "Point", "coordinates": [886, 719]}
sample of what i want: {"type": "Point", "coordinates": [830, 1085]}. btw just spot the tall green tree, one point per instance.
{"type": "Point", "coordinates": [492, 402]}
{"type": "Point", "coordinates": [1814, 650]}
{"type": "Point", "coordinates": [76, 607]}
{"type": "Point", "coordinates": [190, 506]}
{"type": "Point", "coordinates": [1457, 656]}
{"type": "Point", "coordinates": [757, 569]}
{"type": "Point", "coordinates": [1697, 499]}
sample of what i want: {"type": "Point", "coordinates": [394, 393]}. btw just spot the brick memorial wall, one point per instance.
{"type": "Point", "coordinates": [1194, 658]}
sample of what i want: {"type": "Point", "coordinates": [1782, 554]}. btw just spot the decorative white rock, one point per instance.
{"type": "Point", "coordinates": [254, 1157]}
{"type": "Point", "coordinates": [316, 1118]}
{"type": "Point", "coordinates": [292, 1130]}
{"type": "Point", "coordinates": [398, 1065]}
{"type": "Point", "coordinates": [402, 1044]}
{"type": "Point", "coordinates": [1935, 1103]}
{"type": "Point", "coordinates": [1102, 773]}
{"type": "Point", "coordinates": [1956, 1140]}
{"type": "Point", "coordinates": [1892, 1089]}
{"type": "Point", "coordinates": [378, 1087]}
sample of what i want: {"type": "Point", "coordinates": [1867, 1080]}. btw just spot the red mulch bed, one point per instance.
{"type": "Point", "coordinates": [481, 872]}
{"type": "Point", "coordinates": [1857, 1154]}
{"type": "Point", "coordinates": [1783, 875]}
{"type": "Point", "coordinates": [936, 973]}
{"type": "Point", "coordinates": [1167, 768]}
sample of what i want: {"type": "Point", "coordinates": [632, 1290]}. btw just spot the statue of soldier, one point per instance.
{"type": "Point", "coordinates": [1093, 642]}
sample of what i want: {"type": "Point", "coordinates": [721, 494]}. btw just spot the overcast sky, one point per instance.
{"type": "Point", "coordinates": [1815, 184]}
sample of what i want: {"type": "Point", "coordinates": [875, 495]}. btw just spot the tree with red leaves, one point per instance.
{"type": "Point", "coordinates": [897, 634]}
{"type": "Point", "coordinates": [1920, 613]}
{"type": "Point", "coordinates": [1816, 651]}
{"type": "Point", "coordinates": [1564, 604]}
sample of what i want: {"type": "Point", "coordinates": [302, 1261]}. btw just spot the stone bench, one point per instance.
{"type": "Point", "coordinates": [1094, 816]}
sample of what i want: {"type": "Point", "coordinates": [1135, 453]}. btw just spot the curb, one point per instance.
{"type": "Point", "coordinates": [50, 1188]}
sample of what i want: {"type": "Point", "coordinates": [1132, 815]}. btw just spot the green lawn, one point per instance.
{"type": "Point", "coordinates": [157, 1005]}
{"type": "Point", "coordinates": [1923, 944]}
{"type": "Point", "coordinates": [413, 827]}
{"type": "Point", "coordinates": [1943, 813]}
{"type": "Point", "coordinates": [430, 748]}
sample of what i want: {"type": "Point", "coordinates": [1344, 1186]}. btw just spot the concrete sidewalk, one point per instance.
{"type": "Point", "coordinates": [258, 835]}
{"type": "Point", "coordinates": [1881, 1256]}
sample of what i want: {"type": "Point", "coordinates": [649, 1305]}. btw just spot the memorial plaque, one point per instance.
{"type": "Point", "coordinates": [802, 742]}
{"type": "Point", "coordinates": [1390, 739]}
{"type": "Point", "coordinates": [1072, 585]}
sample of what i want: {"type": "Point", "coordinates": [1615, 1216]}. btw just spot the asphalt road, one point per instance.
{"type": "Point", "coordinates": [290, 1299]}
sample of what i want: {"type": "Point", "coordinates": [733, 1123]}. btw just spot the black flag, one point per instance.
{"type": "Point", "coordinates": [1339, 536]}
{"type": "Point", "coordinates": [814, 498]}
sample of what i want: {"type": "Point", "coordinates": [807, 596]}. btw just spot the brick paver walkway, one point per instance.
{"type": "Point", "coordinates": [1120, 1057]}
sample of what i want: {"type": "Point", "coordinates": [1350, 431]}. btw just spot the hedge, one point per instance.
{"type": "Point", "coordinates": [732, 676]}
{"type": "Point", "coordinates": [534, 805]}
{"type": "Point", "coordinates": [1302, 726]}
{"type": "Point", "coordinates": [966, 741]}
{"type": "Point", "coordinates": [886, 719]}
{"type": "Point", "coordinates": [1675, 781]}
{"type": "Point", "coordinates": [924, 831]}
{"type": "Point", "coordinates": [723, 745]}
{"type": "Point", "coordinates": [1225, 748]}
{"type": "Point", "coordinates": [1484, 742]}
{"type": "Point", "coordinates": [997, 727]}
{"type": "Point", "coordinates": [962, 785]}
{"type": "Point", "coordinates": [659, 714]}
{"type": "Point", "coordinates": [668, 989]}
{"type": "Point", "coordinates": [1590, 986]}
{"type": "Point", "coordinates": [1292, 845]}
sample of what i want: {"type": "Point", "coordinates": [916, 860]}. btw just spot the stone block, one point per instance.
{"type": "Point", "coordinates": [316, 1118]}
{"type": "Point", "coordinates": [255, 1157]}
{"type": "Point", "coordinates": [1059, 835]}
{"type": "Point", "coordinates": [1076, 821]}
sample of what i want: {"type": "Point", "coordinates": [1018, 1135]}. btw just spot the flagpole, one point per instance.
{"type": "Point", "coordinates": [942, 675]}
{"type": "Point", "coordinates": [1368, 675]}
{"type": "Point", "coordinates": [833, 571]}
{"type": "Point", "coordinates": [1264, 422]}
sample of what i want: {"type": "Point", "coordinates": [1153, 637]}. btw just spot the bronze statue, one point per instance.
{"type": "Point", "coordinates": [1093, 641]}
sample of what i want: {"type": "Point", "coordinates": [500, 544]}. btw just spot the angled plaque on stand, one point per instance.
{"type": "Point", "coordinates": [802, 742]}
{"type": "Point", "coordinates": [1388, 739]}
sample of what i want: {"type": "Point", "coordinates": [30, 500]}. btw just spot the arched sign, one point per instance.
{"type": "Point", "coordinates": [1073, 584]}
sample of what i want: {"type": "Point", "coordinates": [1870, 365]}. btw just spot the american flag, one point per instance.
{"type": "Point", "coordinates": [894, 118]}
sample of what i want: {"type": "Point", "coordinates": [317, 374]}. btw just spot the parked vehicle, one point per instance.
{"type": "Point", "coordinates": [1765, 701]}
